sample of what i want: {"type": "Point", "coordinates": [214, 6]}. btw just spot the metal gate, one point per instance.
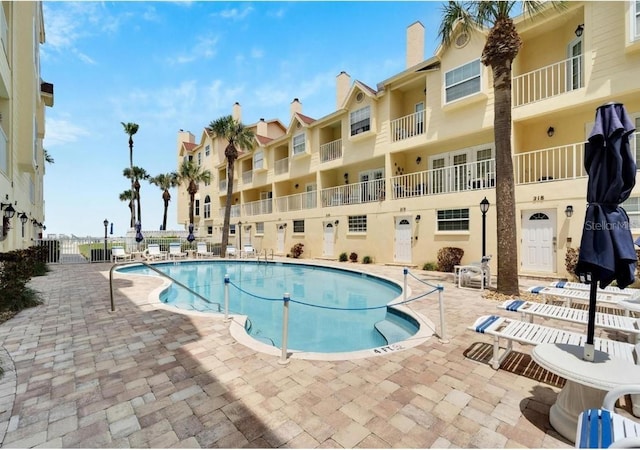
{"type": "Point", "coordinates": [74, 250]}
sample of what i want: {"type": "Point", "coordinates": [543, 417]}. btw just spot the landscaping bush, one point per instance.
{"type": "Point", "coordinates": [296, 250]}
{"type": "Point", "coordinates": [353, 257]}
{"type": "Point", "coordinates": [430, 266]}
{"type": "Point", "coordinates": [367, 260]}
{"type": "Point", "coordinates": [16, 268]}
{"type": "Point", "coordinates": [449, 257]}
{"type": "Point", "coordinates": [571, 261]}
{"type": "Point", "coordinates": [343, 257]}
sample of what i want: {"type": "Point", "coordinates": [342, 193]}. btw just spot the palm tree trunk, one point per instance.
{"type": "Point", "coordinates": [507, 245]}
{"type": "Point", "coordinates": [139, 207]}
{"type": "Point", "coordinates": [227, 209]}
{"type": "Point", "coordinates": [164, 215]}
{"type": "Point", "coordinates": [133, 212]}
{"type": "Point", "coordinates": [133, 217]}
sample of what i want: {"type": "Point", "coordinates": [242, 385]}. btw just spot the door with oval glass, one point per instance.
{"type": "Point", "coordinates": [539, 240]}
{"type": "Point", "coordinates": [402, 249]}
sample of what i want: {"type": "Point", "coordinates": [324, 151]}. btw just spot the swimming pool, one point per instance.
{"type": "Point", "coordinates": [331, 310]}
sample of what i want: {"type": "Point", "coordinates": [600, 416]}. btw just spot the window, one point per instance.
{"type": "Point", "coordinates": [360, 120]}
{"type": "Point", "coordinates": [207, 150]}
{"type": "Point", "coordinates": [196, 211]}
{"type": "Point", "coordinates": [298, 226]}
{"type": "Point", "coordinates": [209, 230]}
{"type": "Point", "coordinates": [258, 159]}
{"type": "Point", "coordinates": [259, 227]}
{"type": "Point", "coordinates": [453, 220]}
{"type": "Point", "coordinates": [298, 143]}
{"type": "Point", "coordinates": [635, 140]}
{"type": "Point", "coordinates": [232, 229]}
{"type": "Point", "coordinates": [199, 158]}
{"type": "Point", "coordinates": [462, 81]}
{"type": "Point", "coordinates": [632, 207]}
{"type": "Point", "coordinates": [207, 207]}
{"type": "Point", "coordinates": [636, 19]}
{"type": "Point", "coordinates": [358, 224]}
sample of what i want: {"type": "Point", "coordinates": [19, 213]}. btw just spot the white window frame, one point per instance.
{"type": "Point", "coordinates": [259, 227]}
{"type": "Point", "coordinates": [298, 225]}
{"type": "Point", "coordinates": [456, 83]}
{"type": "Point", "coordinates": [359, 116]}
{"type": "Point", "coordinates": [207, 207]}
{"type": "Point", "coordinates": [632, 207]}
{"type": "Point", "coordinates": [258, 159]}
{"type": "Point", "coordinates": [207, 150]}
{"type": "Point", "coordinates": [635, 20]}
{"type": "Point", "coordinates": [445, 220]}
{"type": "Point", "coordinates": [357, 223]}
{"type": "Point", "coordinates": [196, 208]}
{"type": "Point", "coordinates": [199, 158]}
{"type": "Point", "coordinates": [299, 144]}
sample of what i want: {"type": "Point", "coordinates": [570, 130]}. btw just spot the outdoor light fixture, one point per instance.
{"type": "Point", "coordinates": [296, 185]}
{"type": "Point", "coordinates": [23, 218]}
{"type": "Point", "coordinates": [418, 160]}
{"type": "Point", "coordinates": [9, 212]}
{"type": "Point", "coordinates": [579, 30]}
{"type": "Point", "coordinates": [418, 218]}
{"type": "Point", "coordinates": [336, 222]}
{"type": "Point", "coordinates": [569, 210]}
{"type": "Point", "coordinates": [484, 207]}
{"type": "Point", "coordinates": [550, 131]}
{"type": "Point", "coordinates": [105, 222]}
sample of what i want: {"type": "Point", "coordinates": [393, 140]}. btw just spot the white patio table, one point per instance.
{"type": "Point", "coordinates": [587, 381]}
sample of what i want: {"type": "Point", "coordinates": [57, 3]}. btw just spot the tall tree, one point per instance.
{"type": "Point", "coordinates": [130, 129]}
{"type": "Point", "coordinates": [127, 196]}
{"type": "Point", "coordinates": [136, 174]}
{"type": "Point", "coordinates": [237, 137]}
{"type": "Point", "coordinates": [191, 175]}
{"type": "Point", "coordinates": [165, 181]}
{"type": "Point", "coordinates": [502, 46]}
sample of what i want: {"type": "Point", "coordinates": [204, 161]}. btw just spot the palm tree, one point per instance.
{"type": "Point", "coordinates": [47, 156]}
{"type": "Point", "coordinates": [191, 175]}
{"type": "Point", "coordinates": [165, 181]}
{"type": "Point", "coordinates": [136, 174]}
{"type": "Point", "coordinates": [237, 136]}
{"type": "Point", "coordinates": [127, 196]}
{"type": "Point", "coordinates": [130, 129]}
{"type": "Point", "coordinates": [502, 46]}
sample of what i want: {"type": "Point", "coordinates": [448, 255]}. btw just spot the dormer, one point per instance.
{"type": "Point", "coordinates": [361, 102]}
{"type": "Point", "coordinates": [298, 129]}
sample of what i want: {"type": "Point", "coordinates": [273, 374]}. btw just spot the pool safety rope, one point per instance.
{"type": "Point", "coordinates": [286, 298]}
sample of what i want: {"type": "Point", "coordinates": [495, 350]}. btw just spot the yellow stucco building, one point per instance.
{"type": "Point", "coordinates": [398, 170]}
{"type": "Point", "coordinates": [23, 97]}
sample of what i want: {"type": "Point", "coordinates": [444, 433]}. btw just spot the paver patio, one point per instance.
{"type": "Point", "coordinates": [78, 375]}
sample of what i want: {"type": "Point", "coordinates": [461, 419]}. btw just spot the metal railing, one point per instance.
{"type": "Point", "coordinates": [149, 266]}
{"type": "Point", "coordinates": [407, 126]}
{"type": "Point", "coordinates": [557, 163]}
{"type": "Point", "coordinates": [247, 177]}
{"type": "Point", "coordinates": [281, 166]}
{"type": "Point", "coordinates": [549, 81]}
{"type": "Point", "coordinates": [235, 211]}
{"type": "Point", "coordinates": [353, 194]}
{"type": "Point", "coordinates": [331, 151]}
{"type": "Point", "coordinates": [297, 202]}
{"type": "Point", "coordinates": [258, 207]}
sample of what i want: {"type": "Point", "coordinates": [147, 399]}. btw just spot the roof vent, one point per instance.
{"type": "Point", "coordinates": [462, 40]}
{"type": "Point", "coordinates": [359, 97]}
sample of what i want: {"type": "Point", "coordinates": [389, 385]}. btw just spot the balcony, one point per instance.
{"type": "Point", "coordinates": [458, 178]}
{"type": "Point", "coordinates": [297, 202]}
{"type": "Point", "coordinates": [222, 186]}
{"type": "Point", "coordinates": [247, 177]}
{"type": "Point", "coordinates": [331, 151]}
{"type": "Point", "coordinates": [549, 81]}
{"type": "Point", "coordinates": [258, 207]}
{"type": "Point", "coordinates": [407, 126]}
{"type": "Point", "coordinates": [353, 194]}
{"type": "Point", "coordinates": [558, 163]}
{"type": "Point", "coordinates": [235, 211]}
{"type": "Point", "coordinates": [281, 166]}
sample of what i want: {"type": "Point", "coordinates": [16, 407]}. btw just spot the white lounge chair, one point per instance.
{"type": "Point", "coordinates": [248, 251]}
{"type": "Point", "coordinates": [118, 254]}
{"type": "Point", "coordinates": [569, 295]}
{"type": "Point", "coordinates": [632, 292]}
{"type": "Point", "coordinates": [175, 251]}
{"type": "Point", "coordinates": [476, 275]}
{"type": "Point", "coordinates": [615, 322]}
{"type": "Point", "coordinates": [231, 251]}
{"type": "Point", "coordinates": [153, 253]}
{"type": "Point", "coordinates": [533, 334]}
{"type": "Point", "coordinates": [201, 250]}
{"type": "Point", "coordinates": [604, 428]}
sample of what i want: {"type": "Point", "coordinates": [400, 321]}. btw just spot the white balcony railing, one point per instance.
{"type": "Point", "coordinates": [407, 126]}
{"type": "Point", "coordinates": [222, 185]}
{"type": "Point", "coordinates": [549, 81]}
{"type": "Point", "coordinates": [331, 151]}
{"type": "Point", "coordinates": [462, 177]}
{"type": "Point", "coordinates": [297, 202]}
{"type": "Point", "coordinates": [557, 163]}
{"type": "Point", "coordinates": [247, 177]}
{"type": "Point", "coordinates": [353, 194]}
{"type": "Point", "coordinates": [281, 166]}
{"type": "Point", "coordinates": [258, 207]}
{"type": "Point", "coordinates": [235, 211]}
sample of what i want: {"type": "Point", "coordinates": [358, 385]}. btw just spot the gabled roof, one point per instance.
{"type": "Point", "coordinates": [189, 146]}
{"type": "Point", "coordinates": [305, 119]}
{"type": "Point", "coordinates": [263, 140]}
{"type": "Point", "coordinates": [361, 87]}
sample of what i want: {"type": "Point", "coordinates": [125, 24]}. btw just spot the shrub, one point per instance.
{"type": "Point", "coordinates": [367, 260]}
{"type": "Point", "coordinates": [430, 266]}
{"type": "Point", "coordinates": [296, 250]}
{"type": "Point", "coordinates": [16, 269]}
{"type": "Point", "coordinates": [449, 257]}
{"type": "Point", "coordinates": [343, 257]}
{"type": "Point", "coordinates": [571, 260]}
{"type": "Point", "coordinates": [353, 257]}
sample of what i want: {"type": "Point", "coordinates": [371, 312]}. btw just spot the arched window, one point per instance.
{"type": "Point", "coordinates": [539, 216]}
{"type": "Point", "coordinates": [207, 207]}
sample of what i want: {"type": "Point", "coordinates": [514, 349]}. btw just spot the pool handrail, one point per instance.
{"type": "Point", "coordinates": [113, 307]}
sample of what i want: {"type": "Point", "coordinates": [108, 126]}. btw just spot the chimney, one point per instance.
{"type": "Point", "coordinates": [343, 83]}
{"type": "Point", "coordinates": [296, 107]}
{"type": "Point", "coordinates": [237, 112]}
{"type": "Point", "coordinates": [415, 44]}
{"type": "Point", "coordinates": [261, 128]}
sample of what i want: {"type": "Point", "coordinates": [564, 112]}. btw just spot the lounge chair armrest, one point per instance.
{"type": "Point", "coordinates": [614, 394]}
{"type": "Point", "coordinates": [630, 442]}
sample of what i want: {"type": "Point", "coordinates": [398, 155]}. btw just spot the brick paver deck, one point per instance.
{"type": "Point", "coordinates": [78, 375]}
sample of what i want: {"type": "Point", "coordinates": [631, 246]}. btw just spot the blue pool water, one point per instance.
{"type": "Point", "coordinates": [257, 289]}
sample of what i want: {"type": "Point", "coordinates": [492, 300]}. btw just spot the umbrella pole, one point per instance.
{"type": "Point", "coordinates": [589, 348]}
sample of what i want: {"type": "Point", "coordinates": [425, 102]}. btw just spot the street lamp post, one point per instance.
{"type": "Point", "coordinates": [106, 224]}
{"type": "Point", "coordinates": [484, 207]}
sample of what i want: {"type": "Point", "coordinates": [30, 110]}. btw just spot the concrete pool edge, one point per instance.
{"type": "Point", "coordinates": [237, 322]}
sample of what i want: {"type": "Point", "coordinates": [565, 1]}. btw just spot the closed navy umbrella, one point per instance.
{"type": "Point", "coordinates": [606, 250]}
{"type": "Point", "coordinates": [139, 236]}
{"type": "Point", "coordinates": [191, 237]}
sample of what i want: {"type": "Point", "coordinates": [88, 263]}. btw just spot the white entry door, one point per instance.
{"type": "Point", "coordinates": [329, 232]}
{"type": "Point", "coordinates": [539, 241]}
{"type": "Point", "coordinates": [403, 239]}
{"type": "Point", "coordinates": [280, 239]}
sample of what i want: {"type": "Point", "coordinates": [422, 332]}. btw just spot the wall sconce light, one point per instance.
{"type": "Point", "coordinates": [336, 222]}
{"type": "Point", "coordinates": [296, 185]}
{"type": "Point", "coordinates": [550, 131]}
{"type": "Point", "coordinates": [579, 30]}
{"type": "Point", "coordinates": [23, 218]}
{"type": "Point", "coordinates": [418, 218]}
{"type": "Point", "coordinates": [424, 91]}
{"type": "Point", "coordinates": [9, 212]}
{"type": "Point", "coordinates": [569, 211]}
{"type": "Point", "coordinates": [284, 225]}
{"type": "Point", "coordinates": [418, 160]}
{"type": "Point", "coordinates": [346, 177]}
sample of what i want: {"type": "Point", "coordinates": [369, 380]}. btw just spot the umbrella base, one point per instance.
{"type": "Point", "coordinates": [589, 352]}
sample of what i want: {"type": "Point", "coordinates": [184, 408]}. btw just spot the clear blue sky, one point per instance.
{"type": "Point", "coordinates": [179, 65]}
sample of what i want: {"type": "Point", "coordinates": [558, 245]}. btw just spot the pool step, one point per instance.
{"type": "Point", "coordinates": [393, 332]}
